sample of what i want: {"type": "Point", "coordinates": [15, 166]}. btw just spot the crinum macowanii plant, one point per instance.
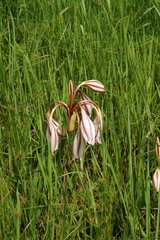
{"type": "Point", "coordinates": [77, 112]}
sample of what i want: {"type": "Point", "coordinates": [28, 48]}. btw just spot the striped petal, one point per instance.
{"type": "Point", "coordinates": [78, 145]}
{"type": "Point", "coordinates": [87, 107]}
{"type": "Point", "coordinates": [87, 128]}
{"type": "Point", "coordinates": [97, 130]}
{"type": "Point", "coordinates": [52, 136]}
{"type": "Point", "coordinates": [59, 129]}
{"type": "Point", "coordinates": [94, 85]}
{"type": "Point", "coordinates": [156, 180]}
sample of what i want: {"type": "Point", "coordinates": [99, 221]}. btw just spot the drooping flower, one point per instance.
{"type": "Point", "coordinates": [156, 180]}
{"type": "Point", "coordinates": [87, 128]}
{"type": "Point", "coordinates": [97, 130]}
{"type": "Point", "coordinates": [78, 145]}
{"type": "Point", "coordinates": [94, 85]}
{"type": "Point", "coordinates": [81, 111]}
{"type": "Point", "coordinates": [52, 135]}
{"type": "Point", "coordinates": [58, 127]}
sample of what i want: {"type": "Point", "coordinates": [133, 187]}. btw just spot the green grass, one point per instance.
{"type": "Point", "coordinates": [44, 44]}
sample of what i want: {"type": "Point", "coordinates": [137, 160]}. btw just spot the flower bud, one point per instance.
{"type": "Point", "coordinates": [71, 122]}
{"type": "Point", "coordinates": [156, 180]}
{"type": "Point", "coordinates": [94, 85]}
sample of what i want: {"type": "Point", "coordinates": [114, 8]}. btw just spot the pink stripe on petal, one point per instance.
{"type": "Point", "coordinates": [87, 128]}
{"type": "Point", "coordinates": [52, 136]}
{"type": "Point", "coordinates": [78, 145]}
{"type": "Point", "coordinates": [156, 180]}
{"type": "Point", "coordinates": [58, 128]}
{"type": "Point", "coordinates": [54, 140]}
{"type": "Point", "coordinates": [87, 107]}
{"type": "Point", "coordinates": [94, 85]}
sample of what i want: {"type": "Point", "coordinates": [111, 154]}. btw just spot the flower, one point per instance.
{"type": "Point", "coordinates": [52, 135]}
{"type": "Point", "coordinates": [94, 85]}
{"type": "Point", "coordinates": [87, 128]}
{"type": "Point", "coordinates": [78, 114]}
{"type": "Point", "coordinates": [97, 129]}
{"type": "Point", "coordinates": [78, 145]}
{"type": "Point", "coordinates": [156, 180]}
{"type": "Point", "coordinates": [58, 128]}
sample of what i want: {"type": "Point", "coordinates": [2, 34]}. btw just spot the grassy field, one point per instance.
{"type": "Point", "coordinates": [43, 45]}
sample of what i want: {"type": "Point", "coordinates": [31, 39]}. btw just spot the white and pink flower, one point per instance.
{"type": "Point", "coordinates": [88, 129]}
{"type": "Point", "coordinates": [78, 145]}
{"type": "Point", "coordinates": [156, 180]}
{"type": "Point", "coordinates": [94, 85]}
{"type": "Point", "coordinates": [52, 135]}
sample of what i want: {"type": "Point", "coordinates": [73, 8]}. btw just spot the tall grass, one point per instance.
{"type": "Point", "coordinates": [44, 44]}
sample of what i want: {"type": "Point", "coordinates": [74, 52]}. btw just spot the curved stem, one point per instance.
{"type": "Point", "coordinates": [58, 105]}
{"type": "Point", "coordinates": [77, 89]}
{"type": "Point", "coordinates": [57, 102]}
{"type": "Point", "coordinates": [84, 102]}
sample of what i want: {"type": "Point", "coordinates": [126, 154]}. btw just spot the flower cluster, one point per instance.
{"type": "Point", "coordinates": [80, 112]}
{"type": "Point", "coordinates": [156, 176]}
